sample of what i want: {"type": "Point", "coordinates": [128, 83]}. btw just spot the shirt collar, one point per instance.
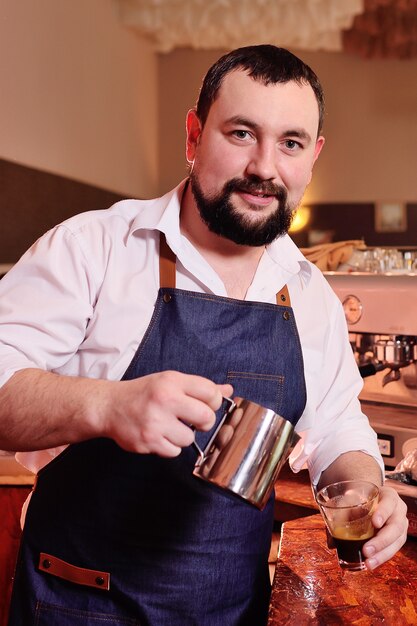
{"type": "Point", "coordinates": [287, 255]}
{"type": "Point", "coordinates": [163, 214]}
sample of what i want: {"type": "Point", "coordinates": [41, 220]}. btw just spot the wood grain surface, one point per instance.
{"type": "Point", "coordinates": [11, 502]}
{"type": "Point", "coordinates": [310, 588]}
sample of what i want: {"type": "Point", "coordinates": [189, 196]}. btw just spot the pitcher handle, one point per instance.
{"type": "Point", "coordinates": [201, 453]}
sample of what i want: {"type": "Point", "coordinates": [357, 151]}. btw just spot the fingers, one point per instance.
{"type": "Point", "coordinates": [391, 521]}
{"type": "Point", "coordinates": [225, 390]}
{"type": "Point", "coordinates": [154, 413]}
{"type": "Point", "coordinates": [200, 400]}
{"type": "Point", "coordinates": [168, 450]}
{"type": "Point", "coordinates": [205, 390]}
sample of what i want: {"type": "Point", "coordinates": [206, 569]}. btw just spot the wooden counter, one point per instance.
{"type": "Point", "coordinates": [293, 495]}
{"type": "Point", "coordinates": [310, 588]}
{"type": "Point", "coordinates": [11, 501]}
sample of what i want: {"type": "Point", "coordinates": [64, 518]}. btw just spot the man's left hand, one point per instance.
{"type": "Point", "coordinates": [391, 523]}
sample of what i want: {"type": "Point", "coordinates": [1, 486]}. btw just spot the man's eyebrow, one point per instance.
{"type": "Point", "coordinates": [298, 132]}
{"type": "Point", "coordinates": [242, 121]}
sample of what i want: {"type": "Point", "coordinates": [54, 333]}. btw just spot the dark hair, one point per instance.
{"type": "Point", "coordinates": [265, 63]}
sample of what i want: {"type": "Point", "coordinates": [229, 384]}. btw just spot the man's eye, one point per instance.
{"type": "Point", "coordinates": [241, 134]}
{"type": "Point", "coordinates": [292, 144]}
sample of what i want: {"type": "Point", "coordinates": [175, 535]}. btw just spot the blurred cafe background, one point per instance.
{"type": "Point", "coordinates": [93, 98]}
{"type": "Point", "coordinates": [94, 95]}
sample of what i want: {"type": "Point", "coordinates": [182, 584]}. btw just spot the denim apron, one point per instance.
{"type": "Point", "coordinates": [112, 537]}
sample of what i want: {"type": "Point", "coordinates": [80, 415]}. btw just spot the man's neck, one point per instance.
{"type": "Point", "coordinates": [235, 264]}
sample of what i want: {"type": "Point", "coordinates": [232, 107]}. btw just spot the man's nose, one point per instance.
{"type": "Point", "coordinates": [263, 162]}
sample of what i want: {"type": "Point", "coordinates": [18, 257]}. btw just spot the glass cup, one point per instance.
{"type": "Point", "coordinates": [347, 508]}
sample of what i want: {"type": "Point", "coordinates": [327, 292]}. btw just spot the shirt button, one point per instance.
{"type": "Point", "coordinates": [286, 315]}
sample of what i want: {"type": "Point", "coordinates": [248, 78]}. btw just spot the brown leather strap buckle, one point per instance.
{"type": "Point", "coordinates": [79, 575]}
{"type": "Point", "coordinates": [283, 297]}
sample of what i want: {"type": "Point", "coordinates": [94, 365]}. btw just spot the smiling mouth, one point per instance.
{"type": "Point", "coordinates": [259, 194]}
{"type": "Point", "coordinates": [256, 192]}
{"type": "Point", "coordinates": [256, 198]}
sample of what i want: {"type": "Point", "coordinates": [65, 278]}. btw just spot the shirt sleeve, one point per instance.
{"type": "Point", "coordinates": [46, 301]}
{"type": "Point", "coordinates": [336, 422]}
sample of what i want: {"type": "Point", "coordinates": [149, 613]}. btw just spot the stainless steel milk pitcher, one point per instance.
{"type": "Point", "coordinates": [247, 451]}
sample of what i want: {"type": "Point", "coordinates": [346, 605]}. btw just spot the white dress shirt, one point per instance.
{"type": "Point", "coordinates": [80, 300]}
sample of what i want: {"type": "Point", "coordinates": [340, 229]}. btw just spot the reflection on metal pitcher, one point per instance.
{"type": "Point", "coordinates": [247, 451]}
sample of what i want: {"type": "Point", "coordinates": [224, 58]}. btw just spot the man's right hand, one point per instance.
{"type": "Point", "coordinates": [150, 414]}
{"type": "Point", "coordinates": [154, 413]}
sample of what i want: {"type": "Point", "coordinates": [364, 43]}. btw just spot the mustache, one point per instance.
{"type": "Point", "coordinates": [255, 185]}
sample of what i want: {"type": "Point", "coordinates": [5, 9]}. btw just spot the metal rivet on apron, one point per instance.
{"type": "Point", "coordinates": [286, 315]}
{"type": "Point", "coordinates": [46, 563]}
{"type": "Point", "coordinates": [283, 298]}
{"type": "Point", "coordinates": [167, 297]}
{"type": "Point", "coordinates": [100, 580]}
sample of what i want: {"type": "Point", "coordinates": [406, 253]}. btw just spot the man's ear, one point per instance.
{"type": "Point", "coordinates": [319, 145]}
{"type": "Point", "coordinates": [193, 127]}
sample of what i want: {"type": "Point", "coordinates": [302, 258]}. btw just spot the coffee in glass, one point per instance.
{"type": "Point", "coordinates": [347, 508]}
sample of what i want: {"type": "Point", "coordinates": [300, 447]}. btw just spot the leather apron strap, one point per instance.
{"type": "Point", "coordinates": [283, 297]}
{"type": "Point", "coordinates": [167, 261]}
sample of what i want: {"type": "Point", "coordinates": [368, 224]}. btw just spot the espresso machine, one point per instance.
{"type": "Point", "coordinates": [381, 312]}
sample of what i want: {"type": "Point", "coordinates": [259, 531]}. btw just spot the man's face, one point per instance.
{"type": "Point", "coordinates": [253, 159]}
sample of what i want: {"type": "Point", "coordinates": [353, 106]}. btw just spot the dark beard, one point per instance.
{"type": "Point", "coordinates": [221, 217]}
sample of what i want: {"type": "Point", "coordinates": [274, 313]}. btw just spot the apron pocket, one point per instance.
{"type": "Point", "coordinates": [79, 575]}
{"type": "Point", "coordinates": [52, 615]}
{"type": "Point", "coordinates": [264, 389]}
